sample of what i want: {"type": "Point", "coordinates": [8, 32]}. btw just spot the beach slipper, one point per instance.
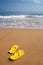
{"type": "Point", "coordinates": [17, 55]}
{"type": "Point", "coordinates": [13, 49]}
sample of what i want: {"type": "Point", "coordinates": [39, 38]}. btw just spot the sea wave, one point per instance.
{"type": "Point", "coordinates": [13, 16]}
{"type": "Point", "coordinates": [22, 16]}
{"type": "Point", "coordinates": [22, 21]}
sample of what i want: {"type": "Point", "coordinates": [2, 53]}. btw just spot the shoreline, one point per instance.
{"type": "Point", "coordinates": [22, 28]}
{"type": "Point", "coordinates": [30, 40]}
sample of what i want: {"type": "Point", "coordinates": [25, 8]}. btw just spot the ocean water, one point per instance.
{"type": "Point", "coordinates": [17, 20]}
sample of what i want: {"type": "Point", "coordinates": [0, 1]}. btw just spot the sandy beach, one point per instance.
{"type": "Point", "coordinates": [31, 41]}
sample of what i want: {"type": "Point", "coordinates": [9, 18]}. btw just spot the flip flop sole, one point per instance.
{"type": "Point", "coordinates": [13, 49]}
{"type": "Point", "coordinates": [17, 55]}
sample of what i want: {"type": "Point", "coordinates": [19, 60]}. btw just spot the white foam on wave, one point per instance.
{"type": "Point", "coordinates": [32, 16]}
{"type": "Point", "coordinates": [21, 16]}
{"type": "Point", "coordinates": [21, 21]}
{"type": "Point", "coordinates": [38, 16]}
{"type": "Point", "coordinates": [15, 16]}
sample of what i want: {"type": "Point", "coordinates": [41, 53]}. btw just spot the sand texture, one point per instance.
{"type": "Point", "coordinates": [31, 41]}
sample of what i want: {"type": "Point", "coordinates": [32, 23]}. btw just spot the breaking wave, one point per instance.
{"type": "Point", "coordinates": [22, 21]}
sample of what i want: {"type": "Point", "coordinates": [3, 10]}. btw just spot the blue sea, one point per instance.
{"type": "Point", "coordinates": [22, 20]}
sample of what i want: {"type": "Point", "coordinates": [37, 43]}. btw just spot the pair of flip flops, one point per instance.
{"type": "Point", "coordinates": [15, 55]}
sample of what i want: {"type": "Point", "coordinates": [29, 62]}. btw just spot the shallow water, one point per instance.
{"type": "Point", "coordinates": [22, 21]}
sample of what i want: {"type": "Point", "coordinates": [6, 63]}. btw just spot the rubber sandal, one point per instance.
{"type": "Point", "coordinates": [13, 49]}
{"type": "Point", "coordinates": [17, 55]}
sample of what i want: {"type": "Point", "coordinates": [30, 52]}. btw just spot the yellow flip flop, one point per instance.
{"type": "Point", "coordinates": [17, 55]}
{"type": "Point", "coordinates": [13, 49]}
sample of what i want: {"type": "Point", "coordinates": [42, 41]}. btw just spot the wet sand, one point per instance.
{"type": "Point", "coordinates": [31, 41]}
